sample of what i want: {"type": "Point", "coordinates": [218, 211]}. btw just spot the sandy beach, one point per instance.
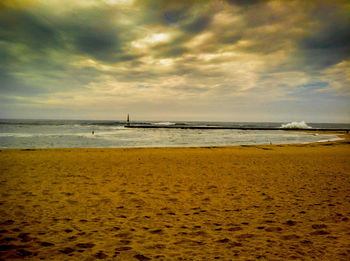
{"type": "Point", "coordinates": [273, 202]}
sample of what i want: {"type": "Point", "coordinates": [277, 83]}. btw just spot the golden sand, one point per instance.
{"type": "Point", "coordinates": [246, 202]}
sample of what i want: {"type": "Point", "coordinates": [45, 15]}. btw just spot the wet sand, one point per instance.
{"type": "Point", "coordinates": [273, 202]}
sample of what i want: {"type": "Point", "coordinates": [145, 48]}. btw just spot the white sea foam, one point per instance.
{"type": "Point", "coordinates": [119, 128]}
{"type": "Point", "coordinates": [296, 125]}
{"type": "Point", "coordinates": [331, 139]}
{"type": "Point", "coordinates": [166, 123]}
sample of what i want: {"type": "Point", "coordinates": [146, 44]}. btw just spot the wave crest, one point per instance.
{"type": "Point", "coordinates": [167, 123]}
{"type": "Point", "coordinates": [296, 125]}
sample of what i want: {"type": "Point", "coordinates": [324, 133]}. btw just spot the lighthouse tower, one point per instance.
{"type": "Point", "coordinates": [128, 121]}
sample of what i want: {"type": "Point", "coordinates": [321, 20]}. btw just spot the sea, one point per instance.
{"type": "Point", "coordinates": [15, 133]}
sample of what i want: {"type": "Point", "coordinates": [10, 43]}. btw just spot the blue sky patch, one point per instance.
{"type": "Point", "coordinates": [141, 86]}
{"type": "Point", "coordinates": [314, 85]}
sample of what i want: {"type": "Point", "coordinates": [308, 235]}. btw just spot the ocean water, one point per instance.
{"type": "Point", "coordinates": [78, 134]}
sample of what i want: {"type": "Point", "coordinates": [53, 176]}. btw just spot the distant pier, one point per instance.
{"type": "Point", "coordinates": [230, 128]}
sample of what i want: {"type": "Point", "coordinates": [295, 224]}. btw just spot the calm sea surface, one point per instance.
{"type": "Point", "coordinates": [78, 134]}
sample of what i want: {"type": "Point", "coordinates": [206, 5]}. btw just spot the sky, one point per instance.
{"type": "Point", "coordinates": [220, 60]}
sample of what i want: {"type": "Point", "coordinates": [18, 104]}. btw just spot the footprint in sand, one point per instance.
{"type": "Point", "coordinates": [156, 246]}
{"type": "Point", "coordinates": [100, 255]}
{"type": "Point", "coordinates": [25, 237]}
{"type": "Point", "coordinates": [319, 226]}
{"type": "Point", "coordinates": [156, 231]}
{"type": "Point", "coordinates": [7, 239]}
{"type": "Point", "coordinates": [85, 245]}
{"type": "Point", "coordinates": [290, 223]}
{"type": "Point", "coordinates": [306, 242]}
{"type": "Point", "coordinates": [319, 232]}
{"type": "Point", "coordinates": [72, 202]}
{"type": "Point", "coordinates": [290, 237]}
{"type": "Point", "coordinates": [141, 257]}
{"type": "Point", "coordinates": [124, 248]}
{"type": "Point", "coordinates": [199, 233]}
{"type": "Point", "coordinates": [234, 244]}
{"type": "Point", "coordinates": [225, 240]}
{"type": "Point", "coordinates": [7, 222]}
{"type": "Point", "coordinates": [123, 235]}
{"type": "Point", "coordinates": [245, 236]}
{"type": "Point", "coordinates": [67, 250]}
{"type": "Point", "coordinates": [125, 242]}
{"type": "Point", "coordinates": [46, 244]}
{"type": "Point", "coordinates": [273, 229]}
{"type": "Point", "coordinates": [23, 253]}
{"type": "Point", "coordinates": [7, 247]}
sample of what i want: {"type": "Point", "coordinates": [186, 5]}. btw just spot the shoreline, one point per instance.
{"type": "Point", "coordinates": [274, 202]}
{"type": "Point", "coordinates": [339, 134]}
{"type": "Point", "coordinates": [231, 128]}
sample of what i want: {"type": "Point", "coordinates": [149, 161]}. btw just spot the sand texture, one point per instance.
{"type": "Point", "coordinates": [232, 203]}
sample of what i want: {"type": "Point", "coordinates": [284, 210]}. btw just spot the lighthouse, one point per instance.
{"type": "Point", "coordinates": [127, 121]}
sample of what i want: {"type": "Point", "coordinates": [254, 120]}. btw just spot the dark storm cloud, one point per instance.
{"type": "Point", "coordinates": [93, 32]}
{"type": "Point", "coordinates": [28, 72]}
{"type": "Point", "coordinates": [198, 24]}
{"type": "Point", "coordinates": [40, 82]}
{"type": "Point", "coordinates": [5, 56]}
{"type": "Point", "coordinates": [99, 43]}
{"type": "Point", "coordinates": [329, 45]}
{"type": "Point", "coordinates": [37, 49]}
{"type": "Point", "coordinates": [191, 17]}
{"type": "Point", "coordinates": [21, 26]}
{"type": "Point", "coordinates": [168, 12]}
{"type": "Point", "coordinates": [245, 2]}
{"type": "Point", "coordinates": [12, 86]}
{"type": "Point", "coordinates": [326, 38]}
{"type": "Point", "coordinates": [172, 16]}
{"type": "Point", "coordinates": [86, 31]}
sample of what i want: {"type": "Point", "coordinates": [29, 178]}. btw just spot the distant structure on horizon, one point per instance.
{"type": "Point", "coordinates": [128, 121]}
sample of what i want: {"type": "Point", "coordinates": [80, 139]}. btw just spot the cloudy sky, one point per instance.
{"type": "Point", "coordinates": [220, 60]}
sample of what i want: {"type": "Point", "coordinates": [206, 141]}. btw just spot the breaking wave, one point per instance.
{"type": "Point", "coordinates": [296, 125]}
{"type": "Point", "coordinates": [167, 123]}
